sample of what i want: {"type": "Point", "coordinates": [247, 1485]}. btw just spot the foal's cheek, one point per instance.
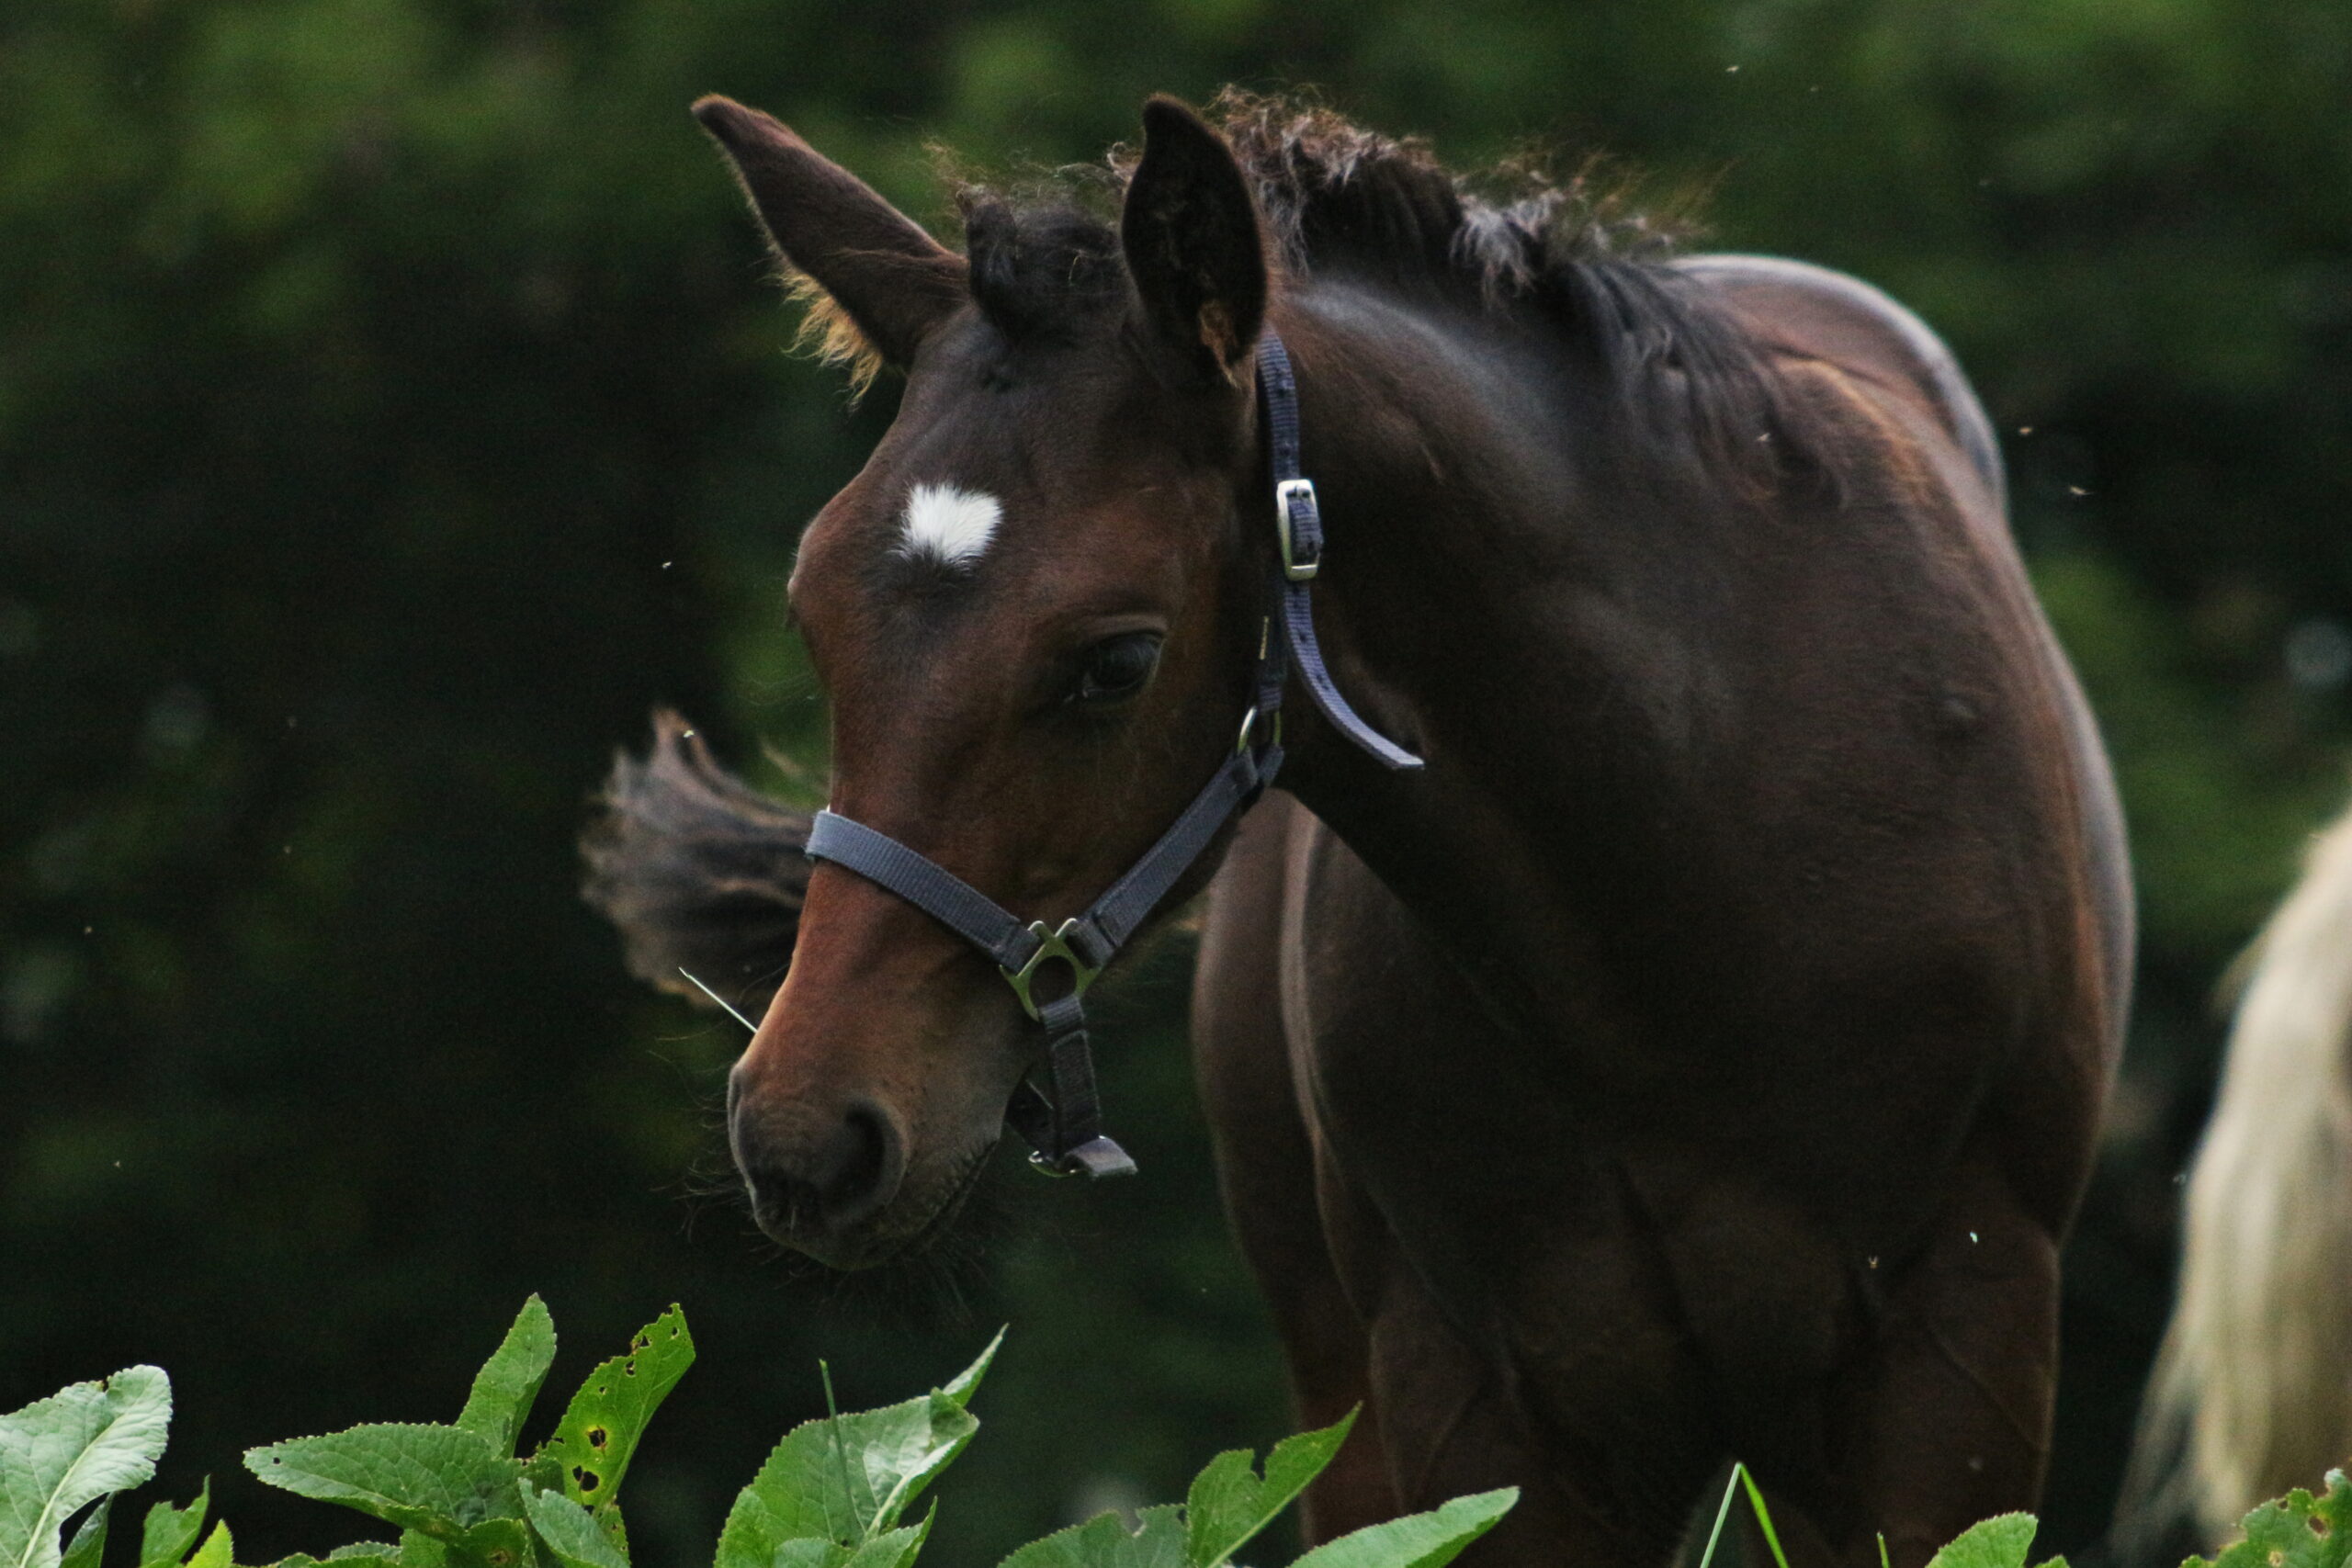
{"type": "Point", "coordinates": [965, 1071]}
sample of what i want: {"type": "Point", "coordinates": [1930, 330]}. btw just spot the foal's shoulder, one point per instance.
{"type": "Point", "coordinates": [1794, 307]}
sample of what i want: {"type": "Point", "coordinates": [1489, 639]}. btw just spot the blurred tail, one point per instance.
{"type": "Point", "coordinates": [2250, 1395]}
{"type": "Point", "coordinates": [697, 869]}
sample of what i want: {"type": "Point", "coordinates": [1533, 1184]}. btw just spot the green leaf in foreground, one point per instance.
{"type": "Point", "coordinates": [1417, 1540]}
{"type": "Point", "coordinates": [218, 1550]}
{"type": "Point", "coordinates": [964, 1384]}
{"type": "Point", "coordinates": [60, 1454]}
{"type": "Point", "coordinates": [1230, 1502]}
{"type": "Point", "coordinates": [439, 1481]}
{"type": "Point", "coordinates": [90, 1543]}
{"type": "Point", "coordinates": [849, 1479]}
{"type": "Point", "coordinates": [600, 1429]}
{"type": "Point", "coordinates": [2000, 1541]}
{"type": "Point", "coordinates": [2285, 1534]}
{"type": "Point", "coordinates": [510, 1380]}
{"type": "Point", "coordinates": [804, 1492]}
{"type": "Point", "coordinates": [569, 1530]}
{"type": "Point", "coordinates": [892, 1548]}
{"type": "Point", "coordinates": [1104, 1541]}
{"type": "Point", "coordinates": [171, 1533]}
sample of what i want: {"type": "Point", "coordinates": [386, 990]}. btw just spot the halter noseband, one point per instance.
{"type": "Point", "coordinates": [1063, 1120]}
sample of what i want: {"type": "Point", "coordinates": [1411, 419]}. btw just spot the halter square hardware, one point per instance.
{"type": "Point", "coordinates": [1298, 522]}
{"type": "Point", "coordinates": [1050, 944]}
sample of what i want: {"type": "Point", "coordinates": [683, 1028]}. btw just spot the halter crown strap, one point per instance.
{"type": "Point", "coordinates": [1063, 1120]}
{"type": "Point", "coordinates": [1299, 522]}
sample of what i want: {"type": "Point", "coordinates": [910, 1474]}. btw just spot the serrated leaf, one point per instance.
{"type": "Point", "coordinates": [1230, 1502]}
{"type": "Point", "coordinates": [845, 1479]}
{"type": "Point", "coordinates": [568, 1530]}
{"type": "Point", "coordinates": [964, 1384]}
{"type": "Point", "coordinates": [600, 1429]}
{"type": "Point", "coordinates": [439, 1481]}
{"type": "Point", "coordinates": [2000, 1541]}
{"type": "Point", "coordinates": [1417, 1540]}
{"type": "Point", "coordinates": [60, 1454]}
{"type": "Point", "coordinates": [89, 1544]}
{"type": "Point", "coordinates": [509, 1381]}
{"type": "Point", "coordinates": [894, 1548]}
{"type": "Point", "coordinates": [418, 1550]}
{"type": "Point", "coordinates": [359, 1554]}
{"type": "Point", "coordinates": [218, 1550]}
{"type": "Point", "coordinates": [1104, 1541]}
{"type": "Point", "coordinates": [851, 1479]}
{"type": "Point", "coordinates": [494, 1543]}
{"type": "Point", "coordinates": [891, 1549]}
{"type": "Point", "coordinates": [2280, 1534]}
{"type": "Point", "coordinates": [171, 1533]}
{"type": "Point", "coordinates": [750, 1535]}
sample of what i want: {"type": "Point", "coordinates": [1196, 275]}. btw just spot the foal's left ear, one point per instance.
{"type": "Point", "coordinates": [1193, 243]}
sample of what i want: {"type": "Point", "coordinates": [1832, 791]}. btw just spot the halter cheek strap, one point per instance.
{"type": "Point", "coordinates": [1062, 1117]}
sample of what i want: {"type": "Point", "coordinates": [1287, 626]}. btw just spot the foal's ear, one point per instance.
{"type": "Point", "coordinates": [1193, 243]}
{"type": "Point", "coordinates": [892, 281]}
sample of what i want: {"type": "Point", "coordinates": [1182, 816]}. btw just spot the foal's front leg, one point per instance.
{"type": "Point", "coordinates": [1266, 1168]}
{"type": "Point", "coordinates": [1951, 1418]}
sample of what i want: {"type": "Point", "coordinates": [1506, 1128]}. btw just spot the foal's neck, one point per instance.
{"type": "Point", "coordinates": [1503, 595]}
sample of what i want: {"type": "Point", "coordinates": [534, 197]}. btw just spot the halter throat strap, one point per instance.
{"type": "Point", "coordinates": [1061, 1118]}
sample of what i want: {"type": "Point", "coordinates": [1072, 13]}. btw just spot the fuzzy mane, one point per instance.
{"type": "Point", "coordinates": [1336, 195]}
{"type": "Point", "coordinates": [1336, 198]}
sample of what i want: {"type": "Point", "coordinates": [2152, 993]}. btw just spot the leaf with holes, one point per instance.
{"type": "Point", "coordinates": [509, 1381]}
{"type": "Point", "coordinates": [439, 1481]}
{"type": "Point", "coordinates": [170, 1533]}
{"type": "Point", "coordinates": [600, 1429]}
{"type": "Point", "coordinates": [1417, 1540]}
{"type": "Point", "coordinates": [1230, 1502]}
{"type": "Point", "coordinates": [58, 1455]}
{"type": "Point", "coordinates": [2285, 1534]}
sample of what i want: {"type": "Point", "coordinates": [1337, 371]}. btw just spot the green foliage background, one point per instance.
{"type": "Point", "coordinates": [390, 411]}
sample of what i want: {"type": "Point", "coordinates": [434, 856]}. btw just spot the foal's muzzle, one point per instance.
{"type": "Point", "coordinates": [817, 1177]}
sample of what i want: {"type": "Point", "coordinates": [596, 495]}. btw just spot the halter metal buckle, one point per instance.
{"type": "Point", "coordinates": [1248, 727]}
{"type": "Point", "coordinates": [1050, 945]}
{"type": "Point", "coordinates": [1291, 494]}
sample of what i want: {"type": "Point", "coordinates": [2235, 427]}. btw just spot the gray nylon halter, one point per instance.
{"type": "Point", "coordinates": [1062, 1119]}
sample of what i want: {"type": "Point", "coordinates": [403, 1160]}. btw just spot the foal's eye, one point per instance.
{"type": "Point", "coordinates": [1117, 668]}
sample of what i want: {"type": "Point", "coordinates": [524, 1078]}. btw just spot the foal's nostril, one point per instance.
{"type": "Point", "coordinates": [827, 1183]}
{"type": "Point", "coordinates": [866, 1178]}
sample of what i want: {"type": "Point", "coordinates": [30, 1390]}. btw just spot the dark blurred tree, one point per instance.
{"type": "Point", "coordinates": [389, 413]}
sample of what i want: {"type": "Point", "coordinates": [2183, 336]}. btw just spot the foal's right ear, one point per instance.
{"type": "Point", "coordinates": [893, 282]}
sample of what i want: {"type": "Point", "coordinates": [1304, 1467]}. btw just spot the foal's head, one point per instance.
{"type": "Point", "coordinates": [1034, 611]}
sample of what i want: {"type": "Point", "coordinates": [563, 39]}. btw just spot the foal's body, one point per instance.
{"type": "Point", "coordinates": [1698, 1058]}
{"type": "Point", "coordinates": [1701, 1060]}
